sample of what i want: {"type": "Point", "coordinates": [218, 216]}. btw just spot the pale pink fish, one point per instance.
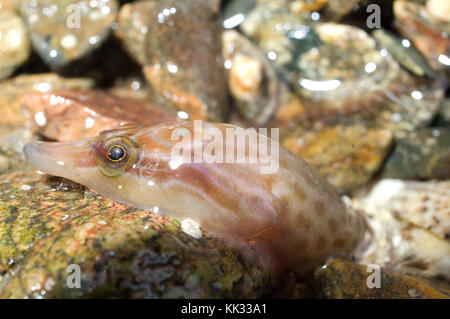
{"type": "Point", "coordinates": [292, 216]}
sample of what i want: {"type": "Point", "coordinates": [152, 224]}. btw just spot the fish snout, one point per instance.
{"type": "Point", "coordinates": [50, 157]}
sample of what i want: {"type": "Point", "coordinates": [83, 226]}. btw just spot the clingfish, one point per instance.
{"type": "Point", "coordinates": [280, 208]}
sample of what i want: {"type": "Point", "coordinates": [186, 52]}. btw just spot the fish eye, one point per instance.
{"type": "Point", "coordinates": [116, 153]}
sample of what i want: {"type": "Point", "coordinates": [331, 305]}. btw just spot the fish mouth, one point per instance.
{"type": "Point", "coordinates": [51, 158]}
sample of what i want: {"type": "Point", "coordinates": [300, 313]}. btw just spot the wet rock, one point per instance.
{"type": "Point", "coordinates": [63, 31]}
{"type": "Point", "coordinates": [14, 45]}
{"type": "Point", "coordinates": [235, 12]}
{"type": "Point", "coordinates": [409, 222]}
{"type": "Point", "coordinates": [424, 204]}
{"type": "Point", "coordinates": [13, 89]}
{"type": "Point", "coordinates": [424, 28]}
{"type": "Point", "coordinates": [404, 53]}
{"type": "Point", "coordinates": [444, 114]}
{"type": "Point", "coordinates": [132, 28]}
{"type": "Point", "coordinates": [340, 279]}
{"type": "Point", "coordinates": [186, 73]}
{"type": "Point", "coordinates": [67, 115]}
{"type": "Point", "coordinates": [130, 88]}
{"type": "Point", "coordinates": [12, 141]}
{"type": "Point", "coordinates": [9, 5]}
{"type": "Point", "coordinates": [346, 155]}
{"type": "Point", "coordinates": [424, 154]}
{"type": "Point", "coordinates": [47, 224]}
{"type": "Point", "coordinates": [254, 84]}
{"type": "Point", "coordinates": [338, 72]}
{"type": "Point", "coordinates": [440, 9]}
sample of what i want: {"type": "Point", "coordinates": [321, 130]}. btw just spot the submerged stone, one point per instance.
{"type": "Point", "coordinates": [62, 31]}
{"type": "Point", "coordinates": [186, 72]}
{"type": "Point", "coordinates": [429, 34]}
{"type": "Point", "coordinates": [338, 71]}
{"type": "Point", "coordinates": [13, 89]}
{"type": "Point", "coordinates": [346, 155]}
{"type": "Point", "coordinates": [423, 154]}
{"type": "Point", "coordinates": [132, 28]}
{"type": "Point", "coordinates": [14, 44]}
{"type": "Point", "coordinates": [254, 84]}
{"type": "Point", "coordinates": [67, 115]}
{"type": "Point", "coordinates": [340, 279]}
{"type": "Point", "coordinates": [404, 53]}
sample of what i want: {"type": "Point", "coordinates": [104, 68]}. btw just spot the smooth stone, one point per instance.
{"type": "Point", "coordinates": [131, 87]}
{"type": "Point", "coordinates": [339, 72]}
{"type": "Point", "coordinates": [67, 115]}
{"type": "Point", "coordinates": [62, 31]}
{"type": "Point", "coordinates": [403, 52]}
{"type": "Point", "coordinates": [132, 28]}
{"type": "Point", "coordinates": [423, 154]}
{"type": "Point", "coordinates": [429, 35]}
{"type": "Point", "coordinates": [346, 155]}
{"type": "Point", "coordinates": [439, 9]}
{"type": "Point", "coordinates": [254, 84]}
{"type": "Point", "coordinates": [235, 12]}
{"type": "Point", "coordinates": [13, 89]}
{"type": "Point", "coordinates": [14, 45]}
{"type": "Point", "coordinates": [9, 5]}
{"type": "Point", "coordinates": [341, 279]}
{"type": "Point", "coordinates": [186, 73]}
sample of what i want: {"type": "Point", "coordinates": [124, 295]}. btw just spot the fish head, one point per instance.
{"type": "Point", "coordinates": [120, 164]}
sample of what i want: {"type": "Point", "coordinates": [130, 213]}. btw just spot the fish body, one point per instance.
{"type": "Point", "coordinates": [290, 214]}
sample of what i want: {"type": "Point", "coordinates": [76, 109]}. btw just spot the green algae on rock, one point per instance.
{"type": "Point", "coordinates": [339, 279]}
{"type": "Point", "coordinates": [13, 89]}
{"type": "Point", "coordinates": [47, 224]}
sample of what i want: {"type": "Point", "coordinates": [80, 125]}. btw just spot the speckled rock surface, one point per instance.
{"type": "Point", "coordinates": [67, 115]}
{"type": "Point", "coordinates": [132, 28]}
{"type": "Point", "coordinates": [14, 45]}
{"type": "Point", "coordinates": [410, 224]}
{"type": "Point", "coordinates": [12, 141]}
{"type": "Point", "coordinates": [346, 155]}
{"type": "Point", "coordinates": [12, 90]}
{"type": "Point", "coordinates": [424, 154]}
{"type": "Point", "coordinates": [186, 72]}
{"type": "Point", "coordinates": [343, 279]}
{"type": "Point", "coordinates": [428, 32]}
{"type": "Point", "coordinates": [47, 225]}
{"type": "Point", "coordinates": [63, 31]}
